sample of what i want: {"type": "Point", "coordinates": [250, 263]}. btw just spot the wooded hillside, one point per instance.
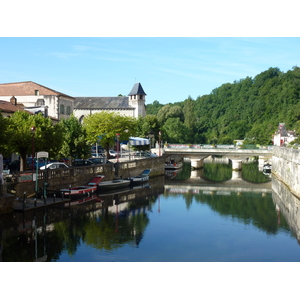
{"type": "Point", "coordinates": [250, 108]}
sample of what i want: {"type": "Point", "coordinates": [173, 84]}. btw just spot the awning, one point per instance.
{"type": "Point", "coordinates": [137, 141]}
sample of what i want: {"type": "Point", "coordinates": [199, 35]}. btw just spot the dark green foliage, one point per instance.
{"type": "Point", "coordinates": [75, 144]}
{"type": "Point", "coordinates": [249, 108]}
{"type": "Point", "coordinates": [3, 134]}
{"type": "Point", "coordinates": [152, 109]}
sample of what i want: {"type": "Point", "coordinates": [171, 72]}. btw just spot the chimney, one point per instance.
{"type": "Point", "coordinates": [13, 100]}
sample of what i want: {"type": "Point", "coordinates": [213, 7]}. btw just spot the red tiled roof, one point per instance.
{"type": "Point", "coordinates": [8, 107]}
{"type": "Point", "coordinates": [26, 88]}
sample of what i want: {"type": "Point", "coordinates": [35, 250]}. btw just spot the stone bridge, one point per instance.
{"type": "Point", "coordinates": [197, 153]}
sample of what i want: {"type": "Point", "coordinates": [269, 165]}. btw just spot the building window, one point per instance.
{"type": "Point", "coordinates": [40, 102]}
{"type": "Point", "coordinates": [141, 96]}
{"type": "Point", "coordinates": [37, 92]}
{"type": "Point", "coordinates": [62, 109]}
{"type": "Point", "coordinates": [81, 119]}
{"type": "Point", "coordinates": [68, 110]}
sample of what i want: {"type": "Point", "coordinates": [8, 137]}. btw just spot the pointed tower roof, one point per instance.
{"type": "Point", "coordinates": [137, 90]}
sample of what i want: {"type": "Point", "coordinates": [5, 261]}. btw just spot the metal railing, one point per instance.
{"type": "Point", "coordinates": [207, 146]}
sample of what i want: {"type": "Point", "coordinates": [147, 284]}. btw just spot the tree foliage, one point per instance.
{"type": "Point", "coordinates": [248, 108]}
{"type": "Point", "coordinates": [3, 134]}
{"type": "Point", "coordinates": [147, 125]}
{"type": "Point", "coordinates": [152, 109]}
{"type": "Point", "coordinates": [103, 127]}
{"type": "Point", "coordinates": [75, 144]}
{"type": "Point", "coordinates": [47, 136]}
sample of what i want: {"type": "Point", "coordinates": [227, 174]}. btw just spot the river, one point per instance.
{"type": "Point", "coordinates": [209, 216]}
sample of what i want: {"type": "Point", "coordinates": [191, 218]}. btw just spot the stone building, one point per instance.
{"type": "Point", "coordinates": [282, 136]}
{"type": "Point", "coordinates": [38, 98]}
{"type": "Point", "coordinates": [133, 105]}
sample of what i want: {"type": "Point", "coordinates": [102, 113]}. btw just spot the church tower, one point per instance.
{"type": "Point", "coordinates": [137, 100]}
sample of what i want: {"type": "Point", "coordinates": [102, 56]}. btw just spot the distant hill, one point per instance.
{"type": "Point", "coordinates": [250, 108]}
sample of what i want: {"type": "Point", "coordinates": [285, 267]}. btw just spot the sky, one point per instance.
{"type": "Point", "coordinates": [184, 52]}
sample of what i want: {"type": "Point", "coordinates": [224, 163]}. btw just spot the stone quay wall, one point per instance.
{"type": "Point", "coordinates": [25, 182]}
{"type": "Point", "coordinates": [286, 168]}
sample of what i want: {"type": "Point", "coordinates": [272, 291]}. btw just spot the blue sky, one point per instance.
{"type": "Point", "coordinates": [174, 50]}
{"type": "Point", "coordinates": [169, 68]}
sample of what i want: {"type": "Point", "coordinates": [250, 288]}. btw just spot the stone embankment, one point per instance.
{"type": "Point", "coordinates": [25, 182]}
{"type": "Point", "coordinates": [286, 168]}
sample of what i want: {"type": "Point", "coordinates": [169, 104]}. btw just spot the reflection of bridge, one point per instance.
{"type": "Point", "coordinates": [197, 153]}
{"type": "Point", "coordinates": [195, 185]}
{"type": "Point", "coordinates": [198, 181]}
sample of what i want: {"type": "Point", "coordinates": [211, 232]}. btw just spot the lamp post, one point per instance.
{"type": "Point", "coordinates": [32, 129]}
{"type": "Point", "coordinates": [118, 145]}
{"type": "Point", "coordinates": [159, 136]}
{"type": "Point", "coordinates": [150, 136]}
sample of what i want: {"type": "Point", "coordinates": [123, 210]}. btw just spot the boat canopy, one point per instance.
{"type": "Point", "coordinates": [137, 141]}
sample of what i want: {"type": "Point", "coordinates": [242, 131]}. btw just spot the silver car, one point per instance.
{"type": "Point", "coordinates": [55, 165]}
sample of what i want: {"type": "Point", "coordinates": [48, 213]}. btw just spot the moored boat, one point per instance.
{"type": "Point", "coordinates": [267, 168]}
{"type": "Point", "coordinates": [112, 184]}
{"type": "Point", "coordinates": [91, 187]}
{"type": "Point", "coordinates": [173, 165]}
{"type": "Point", "coordinates": [143, 177]}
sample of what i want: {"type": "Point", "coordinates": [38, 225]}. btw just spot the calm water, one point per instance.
{"type": "Point", "coordinates": [190, 217]}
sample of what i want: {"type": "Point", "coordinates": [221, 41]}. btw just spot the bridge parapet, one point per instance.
{"type": "Point", "coordinates": [205, 146]}
{"type": "Point", "coordinates": [199, 152]}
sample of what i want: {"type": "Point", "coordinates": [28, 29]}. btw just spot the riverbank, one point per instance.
{"type": "Point", "coordinates": [23, 184]}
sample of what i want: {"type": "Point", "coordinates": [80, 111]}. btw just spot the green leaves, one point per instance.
{"type": "Point", "coordinates": [104, 126]}
{"type": "Point", "coordinates": [46, 137]}
{"type": "Point", "coordinates": [75, 144]}
{"type": "Point", "coordinates": [250, 108]}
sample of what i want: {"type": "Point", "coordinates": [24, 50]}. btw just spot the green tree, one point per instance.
{"type": "Point", "coordinates": [75, 143]}
{"type": "Point", "coordinates": [174, 131]}
{"type": "Point", "coordinates": [3, 134]}
{"type": "Point", "coordinates": [152, 109]}
{"type": "Point", "coordinates": [102, 127]}
{"type": "Point", "coordinates": [189, 115]}
{"type": "Point", "coordinates": [169, 111]}
{"type": "Point", "coordinates": [47, 137]}
{"type": "Point", "coordinates": [148, 125]}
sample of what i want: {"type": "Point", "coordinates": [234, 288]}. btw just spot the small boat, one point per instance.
{"type": "Point", "coordinates": [114, 184]}
{"type": "Point", "coordinates": [173, 165]}
{"type": "Point", "coordinates": [267, 168]}
{"type": "Point", "coordinates": [91, 187]}
{"type": "Point", "coordinates": [141, 178]}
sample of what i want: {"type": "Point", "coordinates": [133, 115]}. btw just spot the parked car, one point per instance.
{"type": "Point", "coordinates": [145, 154]}
{"type": "Point", "coordinates": [95, 151]}
{"type": "Point", "coordinates": [14, 166]}
{"type": "Point", "coordinates": [97, 160]}
{"type": "Point", "coordinates": [81, 162]}
{"type": "Point", "coordinates": [112, 154]}
{"type": "Point", "coordinates": [41, 162]}
{"type": "Point", "coordinates": [55, 165]}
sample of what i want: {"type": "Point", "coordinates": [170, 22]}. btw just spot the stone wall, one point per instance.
{"type": "Point", "coordinates": [58, 179]}
{"type": "Point", "coordinates": [286, 168]}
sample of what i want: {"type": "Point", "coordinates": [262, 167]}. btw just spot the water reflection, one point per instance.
{"type": "Point", "coordinates": [287, 207]}
{"type": "Point", "coordinates": [104, 221]}
{"type": "Point", "coordinates": [110, 223]}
